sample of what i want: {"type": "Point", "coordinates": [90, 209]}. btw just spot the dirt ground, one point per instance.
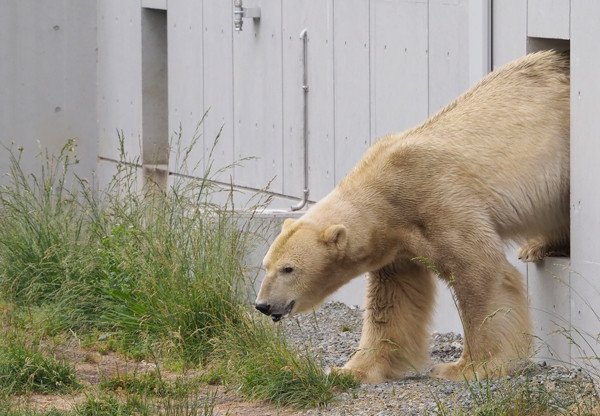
{"type": "Point", "coordinates": [91, 367]}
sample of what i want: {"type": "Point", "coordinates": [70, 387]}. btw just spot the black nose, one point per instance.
{"type": "Point", "coordinates": [264, 308]}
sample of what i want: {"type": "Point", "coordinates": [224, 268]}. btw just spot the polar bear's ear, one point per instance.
{"type": "Point", "coordinates": [336, 234]}
{"type": "Point", "coordinates": [287, 223]}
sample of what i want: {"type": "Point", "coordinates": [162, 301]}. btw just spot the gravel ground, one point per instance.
{"type": "Point", "coordinates": [333, 333]}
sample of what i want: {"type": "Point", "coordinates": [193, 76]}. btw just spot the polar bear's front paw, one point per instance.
{"type": "Point", "coordinates": [372, 374]}
{"type": "Point", "coordinates": [537, 249]}
{"type": "Point", "coordinates": [458, 371]}
{"type": "Point", "coordinates": [531, 251]}
{"type": "Point", "coordinates": [448, 371]}
{"type": "Point", "coordinates": [359, 375]}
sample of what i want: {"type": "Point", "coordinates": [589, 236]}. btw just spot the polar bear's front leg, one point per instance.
{"type": "Point", "coordinates": [493, 305]}
{"type": "Point", "coordinates": [399, 304]}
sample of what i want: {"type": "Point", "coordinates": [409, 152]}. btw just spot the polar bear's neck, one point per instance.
{"type": "Point", "coordinates": [366, 230]}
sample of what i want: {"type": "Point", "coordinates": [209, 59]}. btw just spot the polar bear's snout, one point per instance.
{"type": "Point", "coordinates": [263, 308]}
{"type": "Point", "coordinates": [276, 313]}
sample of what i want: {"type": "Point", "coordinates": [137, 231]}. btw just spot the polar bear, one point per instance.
{"type": "Point", "coordinates": [493, 165]}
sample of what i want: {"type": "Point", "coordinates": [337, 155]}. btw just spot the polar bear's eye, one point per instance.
{"type": "Point", "coordinates": [287, 269]}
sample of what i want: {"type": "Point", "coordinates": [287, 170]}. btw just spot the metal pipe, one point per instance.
{"type": "Point", "coordinates": [304, 38]}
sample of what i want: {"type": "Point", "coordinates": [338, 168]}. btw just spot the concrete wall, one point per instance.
{"type": "Point", "coordinates": [367, 77]}
{"type": "Point", "coordinates": [585, 174]}
{"type": "Point", "coordinates": [48, 79]}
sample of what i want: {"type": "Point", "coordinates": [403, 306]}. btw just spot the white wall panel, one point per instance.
{"type": "Point", "coordinates": [257, 86]}
{"type": "Point", "coordinates": [448, 52]}
{"type": "Point", "coordinates": [79, 81]}
{"type": "Point", "coordinates": [218, 82]}
{"type": "Point", "coordinates": [399, 78]}
{"type": "Point", "coordinates": [585, 171]}
{"type": "Point", "coordinates": [548, 284]}
{"type": "Point", "coordinates": [479, 39]}
{"type": "Point", "coordinates": [510, 251]}
{"type": "Point", "coordinates": [185, 73]}
{"type": "Point", "coordinates": [293, 98]}
{"type": "Point", "coordinates": [119, 76]}
{"type": "Point", "coordinates": [157, 4]}
{"type": "Point", "coordinates": [509, 30]}
{"type": "Point", "coordinates": [47, 74]}
{"type": "Point", "coordinates": [317, 17]}
{"type": "Point", "coordinates": [352, 83]}
{"type": "Point", "coordinates": [549, 18]}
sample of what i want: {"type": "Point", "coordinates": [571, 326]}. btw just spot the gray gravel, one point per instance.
{"type": "Point", "coordinates": [333, 332]}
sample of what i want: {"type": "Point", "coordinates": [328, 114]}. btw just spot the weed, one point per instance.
{"type": "Point", "coordinates": [150, 384]}
{"type": "Point", "coordinates": [111, 406]}
{"type": "Point", "coordinates": [24, 369]}
{"type": "Point", "coordinates": [6, 410]}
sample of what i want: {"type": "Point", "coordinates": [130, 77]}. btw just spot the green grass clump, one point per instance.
{"type": "Point", "coordinates": [162, 269]}
{"type": "Point", "coordinates": [6, 410]}
{"type": "Point", "coordinates": [151, 384]}
{"type": "Point", "coordinates": [173, 283]}
{"type": "Point", "coordinates": [111, 406]}
{"type": "Point", "coordinates": [107, 405]}
{"type": "Point", "coordinates": [271, 370]}
{"type": "Point", "coordinates": [43, 236]}
{"type": "Point", "coordinates": [25, 369]}
{"type": "Point", "coordinates": [156, 273]}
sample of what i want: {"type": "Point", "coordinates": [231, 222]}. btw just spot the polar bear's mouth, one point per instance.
{"type": "Point", "coordinates": [276, 317]}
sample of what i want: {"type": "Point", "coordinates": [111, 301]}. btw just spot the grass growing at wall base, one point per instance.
{"type": "Point", "coordinates": [524, 394]}
{"type": "Point", "coordinates": [159, 271]}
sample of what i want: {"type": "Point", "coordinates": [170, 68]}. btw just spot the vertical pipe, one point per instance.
{"type": "Point", "coordinates": [303, 37]}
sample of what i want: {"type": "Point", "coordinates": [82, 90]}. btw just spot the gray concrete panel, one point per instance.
{"type": "Point", "coordinates": [585, 174]}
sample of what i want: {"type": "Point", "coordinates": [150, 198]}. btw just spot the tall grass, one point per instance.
{"type": "Point", "coordinates": [172, 264]}
{"type": "Point", "coordinates": [160, 270]}
{"type": "Point", "coordinates": [40, 219]}
{"type": "Point", "coordinates": [152, 265]}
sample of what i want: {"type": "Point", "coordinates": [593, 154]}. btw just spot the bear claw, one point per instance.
{"type": "Point", "coordinates": [533, 252]}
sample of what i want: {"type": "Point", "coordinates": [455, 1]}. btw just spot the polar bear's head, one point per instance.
{"type": "Point", "coordinates": [303, 266]}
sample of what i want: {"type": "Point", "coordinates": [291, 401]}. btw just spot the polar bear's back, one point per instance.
{"type": "Point", "coordinates": [507, 139]}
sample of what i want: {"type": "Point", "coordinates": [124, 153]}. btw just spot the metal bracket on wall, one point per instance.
{"type": "Point", "coordinates": [240, 13]}
{"type": "Point", "coordinates": [304, 39]}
